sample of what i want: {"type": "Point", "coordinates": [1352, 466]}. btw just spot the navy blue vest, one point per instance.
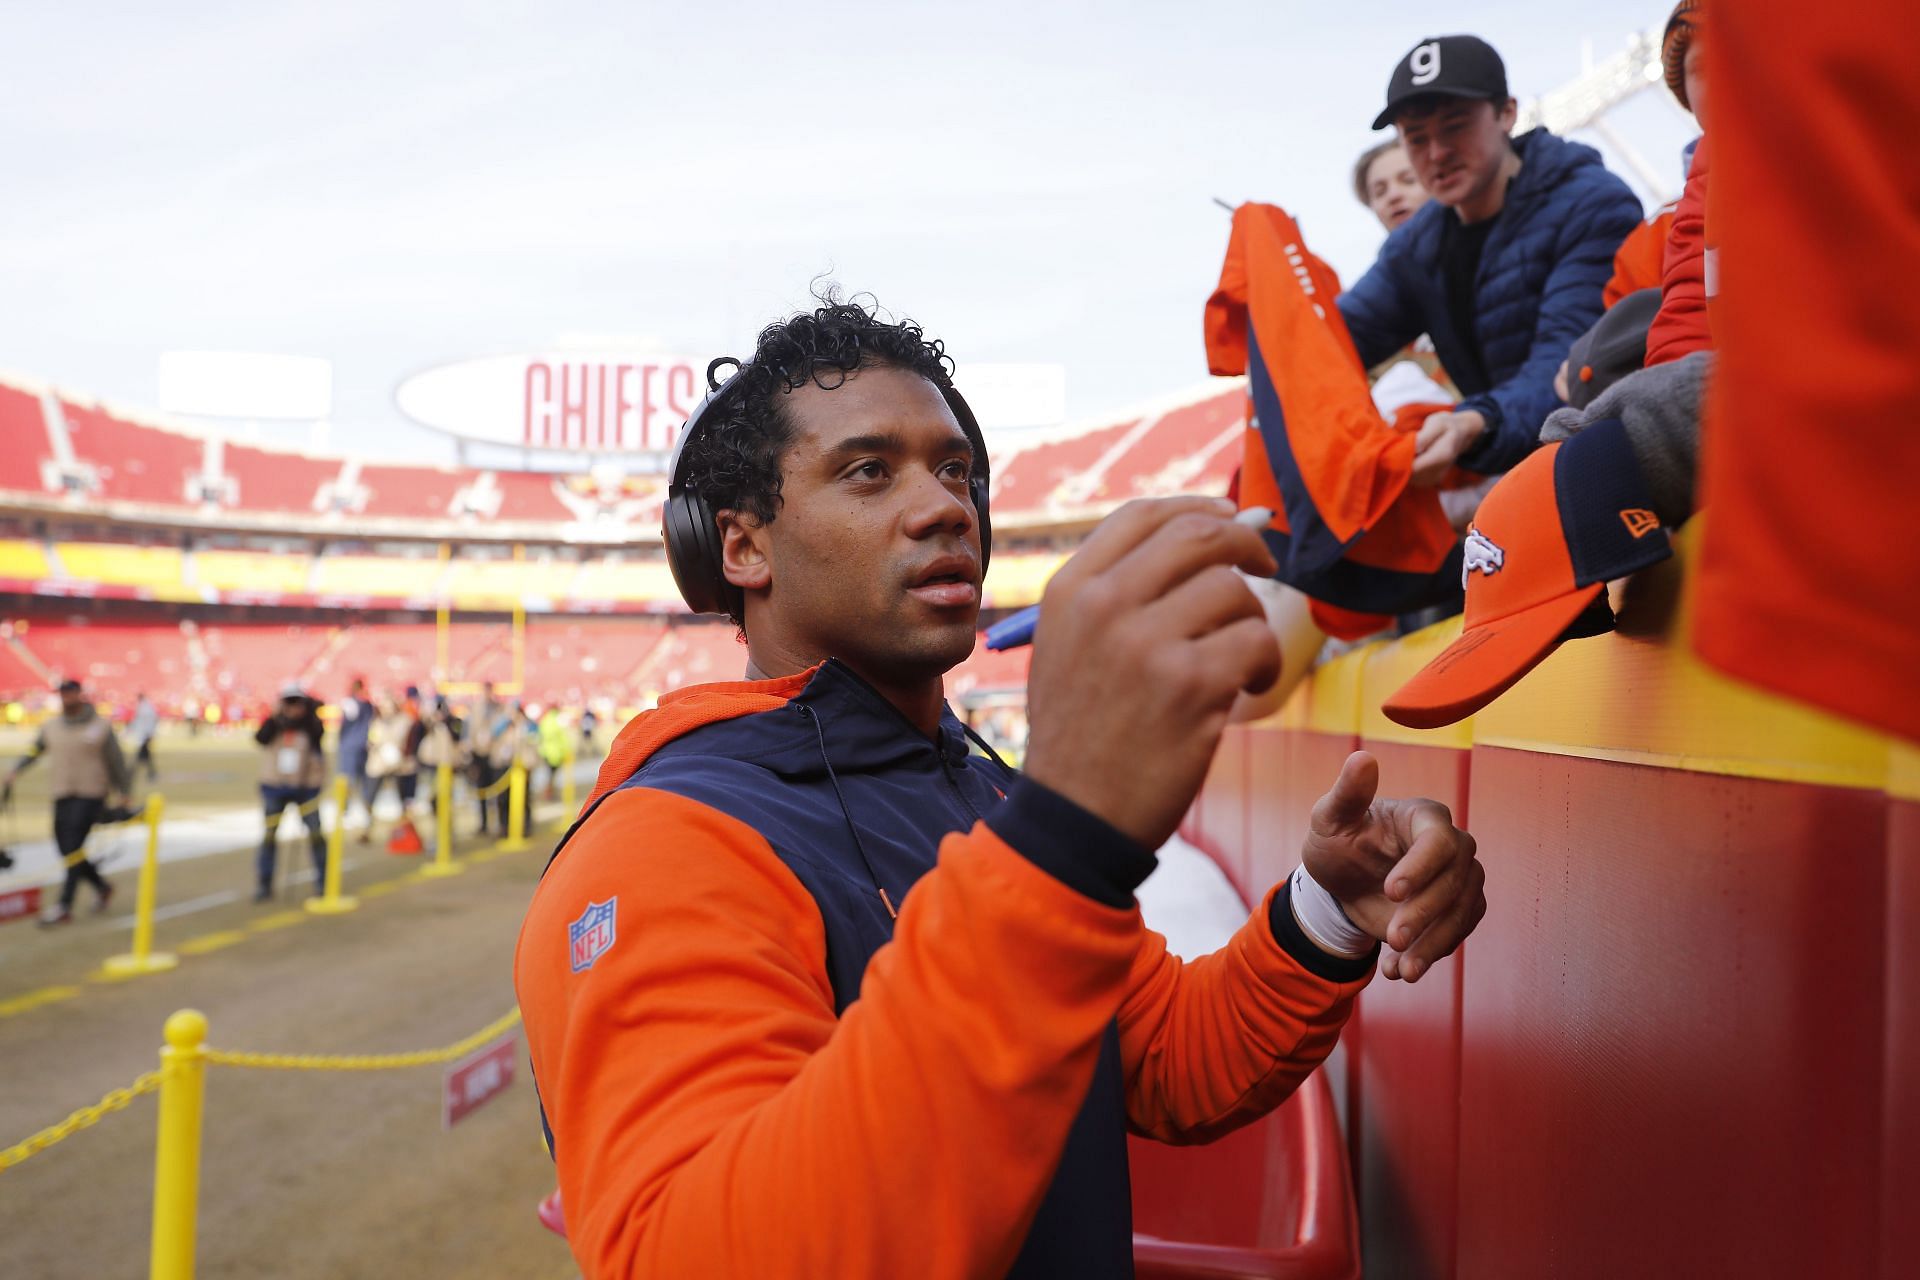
{"type": "Point", "coordinates": [777, 771]}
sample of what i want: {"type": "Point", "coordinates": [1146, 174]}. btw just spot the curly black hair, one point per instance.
{"type": "Point", "coordinates": [735, 463]}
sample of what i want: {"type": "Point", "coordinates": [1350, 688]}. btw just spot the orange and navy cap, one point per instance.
{"type": "Point", "coordinates": [1544, 543]}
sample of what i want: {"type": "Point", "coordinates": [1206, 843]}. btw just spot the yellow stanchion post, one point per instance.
{"type": "Point", "coordinates": [143, 958]}
{"type": "Point", "coordinates": [331, 901]}
{"type": "Point", "coordinates": [176, 1166]}
{"type": "Point", "coordinates": [443, 863]}
{"type": "Point", "coordinates": [516, 837]}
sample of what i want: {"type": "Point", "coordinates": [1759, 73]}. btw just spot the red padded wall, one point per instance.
{"type": "Point", "coordinates": [1671, 1024]}
{"type": "Point", "coordinates": [1407, 1135]}
{"type": "Point", "coordinates": [1900, 1130]}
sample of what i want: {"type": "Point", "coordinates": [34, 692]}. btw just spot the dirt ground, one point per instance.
{"type": "Point", "coordinates": [305, 1175]}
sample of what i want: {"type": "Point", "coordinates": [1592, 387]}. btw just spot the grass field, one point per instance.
{"type": "Point", "coordinates": [305, 1174]}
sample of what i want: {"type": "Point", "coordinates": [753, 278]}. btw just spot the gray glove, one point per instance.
{"type": "Point", "coordinates": [1661, 409]}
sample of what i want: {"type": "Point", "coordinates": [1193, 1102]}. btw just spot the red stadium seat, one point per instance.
{"type": "Point", "coordinates": [288, 482]}
{"type": "Point", "coordinates": [135, 463]}
{"type": "Point", "coordinates": [24, 428]}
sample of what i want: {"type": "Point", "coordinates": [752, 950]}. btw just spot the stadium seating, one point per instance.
{"type": "Point", "coordinates": [25, 431]}
{"type": "Point", "coordinates": [17, 679]}
{"type": "Point", "coordinates": [1076, 476]}
{"type": "Point", "coordinates": [286, 482]}
{"type": "Point", "coordinates": [528, 495]}
{"type": "Point", "coordinates": [697, 654]}
{"type": "Point", "coordinates": [1026, 482]}
{"type": "Point", "coordinates": [1180, 453]}
{"type": "Point", "coordinates": [250, 663]}
{"type": "Point", "coordinates": [423, 493]}
{"type": "Point", "coordinates": [115, 661]}
{"type": "Point", "coordinates": [571, 660]}
{"type": "Point", "coordinates": [135, 463]}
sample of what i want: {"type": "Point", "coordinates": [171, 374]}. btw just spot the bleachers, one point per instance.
{"type": "Point", "coordinates": [24, 429]}
{"type": "Point", "coordinates": [421, 493]}
{"type": "Point", "coordinates": [697, 654]}
{"type": "Point", "coordinates": [1180, 453]}
{"type": "Point", "coordinates": [136, 463]}
{"type": "Point", "coordinates": [251, 662]}
{"type": "Point", "coordinates": [17, 679]}
{"type": "Point", "coordinates": [527, 495]}
{"type": "Point", "coordinates": [285, 482]}
{"type": "Point", "coordinates": [1075, 476]}
{"type": "Point", "coordinates": [570, 660]}
{"type": "Point", "coordinates": [115, 661]}
{"type": "Point", "coordinates": [1026, 482]}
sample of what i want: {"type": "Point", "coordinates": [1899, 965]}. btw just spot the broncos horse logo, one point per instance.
{"type": "Point", "coordinates": [1482, 553]}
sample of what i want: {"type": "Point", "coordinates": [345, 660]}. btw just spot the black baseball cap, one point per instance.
{"type": "Point", "coordinates": [1450, 66]}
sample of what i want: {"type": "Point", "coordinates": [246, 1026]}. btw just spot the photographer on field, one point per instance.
{"type": "Point", "coordinates": [89, 775]}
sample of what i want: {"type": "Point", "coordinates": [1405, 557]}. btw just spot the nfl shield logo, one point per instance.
{"type": "Point", "coordinates": [591, 936]}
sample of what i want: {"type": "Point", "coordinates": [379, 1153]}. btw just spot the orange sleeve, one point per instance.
{"type": "Point", "coordinates": [1214, 1043]}
{"type": "Point", "coordinates": [1641, 257]}
{"type": "Point", "coordinates": [1682, 326]}
{"type": "Point", "coordinates": [711, 1116]}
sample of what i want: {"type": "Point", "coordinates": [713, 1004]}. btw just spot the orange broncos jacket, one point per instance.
{"type": "Point", "coordinates": [750, 1070]}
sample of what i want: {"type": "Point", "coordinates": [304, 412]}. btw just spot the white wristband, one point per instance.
{"type": "Point", "coordinates": [1319, 915]}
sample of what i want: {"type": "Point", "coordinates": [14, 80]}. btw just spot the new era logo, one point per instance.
{"type": "Point", "coordinates": [592, 935]}
{"type": "Point", "coordinates": [1639, 521]}
{"type": "Point", "coordinates": [1482, 553]}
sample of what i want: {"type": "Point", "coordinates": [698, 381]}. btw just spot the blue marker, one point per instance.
{"type": "Point", "coordinates": [1016, 629]}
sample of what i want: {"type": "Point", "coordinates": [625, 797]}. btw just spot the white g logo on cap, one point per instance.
{"type": "Point", "coordinates": [1424, 62]}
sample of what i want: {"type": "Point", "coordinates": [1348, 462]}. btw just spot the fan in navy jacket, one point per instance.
{"type": "Point", "coordinates": [1504, 268]}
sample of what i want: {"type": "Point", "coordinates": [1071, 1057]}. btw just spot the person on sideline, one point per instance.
{"type": "Point", "coordinates": [293, 768]}
{"type": "Point", "coordinates": [88, 774]}
{"type": "Point", "coordinates": [807, 951]}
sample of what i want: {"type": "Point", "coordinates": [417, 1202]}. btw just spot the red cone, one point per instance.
{"type": "Point", "coordinates": [406, 838]}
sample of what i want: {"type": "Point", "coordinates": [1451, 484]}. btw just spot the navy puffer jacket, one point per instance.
{"type": "Point", "coordinates": [1541, 275]}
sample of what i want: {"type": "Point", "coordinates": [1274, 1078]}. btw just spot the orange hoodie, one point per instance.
{"type": "Point", "coordinates": [725, 1102]}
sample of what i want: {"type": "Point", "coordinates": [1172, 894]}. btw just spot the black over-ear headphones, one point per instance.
{"type": "Point", "coordinates": [693, 536]}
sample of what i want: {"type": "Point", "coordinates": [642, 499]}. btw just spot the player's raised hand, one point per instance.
{"type": "Point", "coordinates": [1145, 637]}
{"type": "Point", "coordinates": [1400, 869]}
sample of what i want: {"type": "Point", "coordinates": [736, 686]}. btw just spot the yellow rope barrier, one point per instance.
{"type": "Point", "coordinates": [84, 1118]}
{"type": "Point", "coordinates": [362, 1061]}
{"type": "Point", "coordinates": [494, 788]}
{"type": "Point", "coordinates": [121, 1099]}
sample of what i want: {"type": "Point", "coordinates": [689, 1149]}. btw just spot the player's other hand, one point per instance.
{"type": "Point", "coordinates": [1400, 869]}
{"type": "Point", "coordinates": [1145, 638]}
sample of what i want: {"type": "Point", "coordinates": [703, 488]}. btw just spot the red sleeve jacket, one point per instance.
{"type": "Point", "coordinates": [750, 1069]}
{"type": "Point", "coordinates": [1683, 326]}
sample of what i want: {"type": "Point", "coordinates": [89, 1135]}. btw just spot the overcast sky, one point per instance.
{"type": "Point", "coordinates": [393, 185]}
